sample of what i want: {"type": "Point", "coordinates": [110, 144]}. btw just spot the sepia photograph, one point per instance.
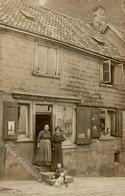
{"type": "Point", "coordinates": [62, 97]}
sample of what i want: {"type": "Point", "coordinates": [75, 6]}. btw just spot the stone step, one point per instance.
{"type": "Point", "coordinates": [41, 168]}
{"type": "Point", "coordinates": [48, 175]}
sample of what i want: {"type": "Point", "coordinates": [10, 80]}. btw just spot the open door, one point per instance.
{"type": "Point", "coordinates": [41, 119]}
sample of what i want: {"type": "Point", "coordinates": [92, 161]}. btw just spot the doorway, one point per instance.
{"type": "Point", "coordinates": [41, 120]}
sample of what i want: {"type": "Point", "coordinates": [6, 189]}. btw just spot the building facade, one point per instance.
{"type": "Point", "coordinates": [59, 71]}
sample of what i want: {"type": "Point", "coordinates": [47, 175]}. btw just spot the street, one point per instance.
{"type": "Point", "coordinates": [90, 186]}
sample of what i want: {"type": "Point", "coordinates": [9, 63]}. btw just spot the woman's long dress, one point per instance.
{"type": "Point", "coordinates": [44, 155]}
{"type": "Point", "coordinates": [57, 155]}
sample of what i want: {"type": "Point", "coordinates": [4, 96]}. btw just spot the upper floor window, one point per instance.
{"type": "Point", "coordinates": [46, 60]}
{"type": "Point", "coordinates": [108, 70]}
{"type": "Point", "coordinates": [112, 74]}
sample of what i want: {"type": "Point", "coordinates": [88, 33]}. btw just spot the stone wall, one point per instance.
{"type": "Point", "coordinates": [96, 159]}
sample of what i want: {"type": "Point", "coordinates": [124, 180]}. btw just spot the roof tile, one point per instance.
{"type": "Point", "coordinates": [49, 23]}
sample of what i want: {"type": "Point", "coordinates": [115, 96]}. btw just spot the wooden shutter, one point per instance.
{"type": "Point", "coordinates": [10, 120]}
{"type": "Point", "coordinates": [119, 80]}
{"type": "Point", "coordinates": [117, 131]}
{"type": "Point", "coordinates": [106, 70]}
{"type": "Point", "coordinates": [42, 58]}
{"type": "Point", "coordinates": [95, 123]}
{"type": "Point", "coordinates": [83, 125]}
{"type": "Point", "coordinates": [51, 61]}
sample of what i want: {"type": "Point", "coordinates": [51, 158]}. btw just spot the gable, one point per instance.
{"type": "Point", "coordinates": [117, 38]}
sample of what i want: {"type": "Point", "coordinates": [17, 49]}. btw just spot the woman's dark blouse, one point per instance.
{"type": "Point", "coordinates": [58, 139]}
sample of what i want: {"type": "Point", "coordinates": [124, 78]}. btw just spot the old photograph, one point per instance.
{"type": "Point", "coordinates": [62, 97]}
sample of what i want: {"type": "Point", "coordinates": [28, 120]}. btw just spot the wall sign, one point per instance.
{"type": "Point", "coordinates": [10, 112]}
{"type": "Point", "coordinates": [11, 127]}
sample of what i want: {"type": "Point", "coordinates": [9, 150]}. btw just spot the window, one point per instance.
{"type": "Point", "coordinates": [23, 120]}
{"type": "Point", "coordinates": [106, 122]}
{"type": "Point", "coordinates": [110, 123]}
{"type": "Point", "coordinates": [108, 72]}
{"type": "Point", "coordinates": [46, 60]}
{"type": "Point", "coordinates": [97, 123]}
{"type": "Point", "coordinates": [65, 120]}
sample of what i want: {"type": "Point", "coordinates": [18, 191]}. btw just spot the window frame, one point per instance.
{"type": "Point", "coordinates": [106, 118]}
{"type": "Point", "coordinates": [36, 70]}
{"type": "Point", "coordinates": [67, 143]}
{"type": "Point", "coordinates": [29, 132]}
{"type": "Point", "coordinates": [110, 82]}
{"type": "Point", "coordinates": [109, 71]}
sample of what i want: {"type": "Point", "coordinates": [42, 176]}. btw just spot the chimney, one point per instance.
{"type": "Point", "coordinates": [99, 17]}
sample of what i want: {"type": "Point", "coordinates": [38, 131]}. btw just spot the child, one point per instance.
{"type": "Point", "coordinates": [60, 176]}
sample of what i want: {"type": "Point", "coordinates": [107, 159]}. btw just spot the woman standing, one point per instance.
{"type": "Point", "coordinates": [57, 155]}
{"type": "Point", "coordinates": [44, 156]}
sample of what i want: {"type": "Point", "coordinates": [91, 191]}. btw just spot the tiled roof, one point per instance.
{"type": "Point", "coordinates": [48, 23]}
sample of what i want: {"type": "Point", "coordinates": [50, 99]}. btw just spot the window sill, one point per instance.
{"type": "Point", "coordinates": [23, 138]}
{"type": "Point", "coordinates": [39, 74]}
{"type": "Point", "coordinates": [107, 85]}
{"type": "Point", "coordinates": [106, 138]}
{"type": "Point", "coordinates": [68, 145]}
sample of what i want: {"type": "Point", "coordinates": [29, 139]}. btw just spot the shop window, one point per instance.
{"type": "Point", "coordinates": [65, 120]}
{"type": "Point", "coordinates": [46, 60]}
{"type": "Point", "coordinates": [23, 120]}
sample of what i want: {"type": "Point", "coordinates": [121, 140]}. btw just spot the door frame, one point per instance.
{"type": "Point", "coordinates": [34, 135]}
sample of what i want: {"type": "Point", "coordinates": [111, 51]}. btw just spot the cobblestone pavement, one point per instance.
{"type": "Point", "coordinates": [81, 187]}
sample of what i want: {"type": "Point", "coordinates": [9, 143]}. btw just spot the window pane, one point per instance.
{"type": "Point", "coordinates": [112, 73]}
{"type": "Point", "coordinates": [106, 67]}
{"type": "Point", "coordinates": [110, 121]}
{"type": "Point", "coordinates": [106, 76]}
{"type": "Point", "coordinates": [42, 58]}
{"type": "Point", "coordinates": [106, 72]}
{"type": "Point", "coordinates": [64, 120]}
{"type": "Point", "coordinates": [102, 122]}
{"type": "Point", "coordinates": [22, 119]}
{"type": "Point", "coordinates": [51, 61]}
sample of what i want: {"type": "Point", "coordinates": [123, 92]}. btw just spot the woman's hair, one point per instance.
{"type": "Point", "coordinates": [46, 125]}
